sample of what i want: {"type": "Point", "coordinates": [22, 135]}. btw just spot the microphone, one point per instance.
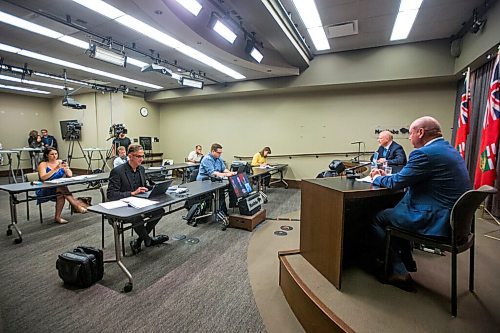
{"type": "Point", "coordinates": [351, 174]}
{"type": "Point", "coordinates": [356, 142]}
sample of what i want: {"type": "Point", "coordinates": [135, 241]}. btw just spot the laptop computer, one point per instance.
{"type": "Point", "coordinates": [158, 189]}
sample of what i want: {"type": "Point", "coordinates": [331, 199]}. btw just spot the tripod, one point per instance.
{"type": "Point", "coordinates": [71, 149]}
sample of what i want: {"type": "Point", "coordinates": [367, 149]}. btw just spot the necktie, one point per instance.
{"type": "Point", "coordinates": [384, 154]}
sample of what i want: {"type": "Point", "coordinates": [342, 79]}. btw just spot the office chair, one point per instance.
{"type": "Point", "coordinates": [462, 221]}
{"type": "Point", "coordinates": [197, 207]}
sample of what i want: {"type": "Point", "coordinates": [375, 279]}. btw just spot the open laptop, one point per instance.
{"type": "Point", "coordinates": [158, 189]}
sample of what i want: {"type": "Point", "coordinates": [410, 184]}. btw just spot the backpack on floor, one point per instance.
{"type": "Point", "coordinates": [81, 267]}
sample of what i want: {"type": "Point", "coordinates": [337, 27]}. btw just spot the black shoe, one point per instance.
{"type": "Point", "coordinates": [158, 240]}
{"type": "Point", "coordinates": [135, 246]}
{"type": "Point", "coordinates": [411, 265]}
{"type": "Point", "coordinates": [404, 282]}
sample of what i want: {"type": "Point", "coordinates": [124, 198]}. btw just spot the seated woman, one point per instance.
{"type": "Point", "coordinates": [53, 168]}
{"type": "Point", "coordinates": [260, 160]}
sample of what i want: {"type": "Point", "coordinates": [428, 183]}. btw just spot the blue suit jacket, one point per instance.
{"type": "Point", "coordinates": [395, 154]}
{"type": "Point", "coordinates": [435, 177]}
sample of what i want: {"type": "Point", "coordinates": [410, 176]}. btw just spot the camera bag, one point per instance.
{"type": "Point", "coordinates": [81, 267]}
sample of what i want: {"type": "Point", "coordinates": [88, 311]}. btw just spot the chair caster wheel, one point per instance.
{"type": "Point", "coordinates": [18, 240]}
{"type": "Point", "coordinates": [9, 232]}
{"type": "Point", "coordinates": [286, 187]}
{"type": "Point", "coordinates": [128, 287]}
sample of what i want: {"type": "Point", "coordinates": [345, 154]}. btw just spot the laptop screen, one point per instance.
{"type": "Point", "coordinates": [241, 185]}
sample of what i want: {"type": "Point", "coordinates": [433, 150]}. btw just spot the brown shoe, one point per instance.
{"type": "Point", "coordinates": [404, 282]}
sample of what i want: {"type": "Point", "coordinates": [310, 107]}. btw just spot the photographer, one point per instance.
{"type": "Point", "coordinates": [48, 140]}
{"type": "Point", "coordinates": [120, 138]}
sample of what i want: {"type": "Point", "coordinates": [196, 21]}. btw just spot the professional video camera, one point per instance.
{"type": "Point", "coordinates": [116, 129]}
{"type": "Point", "coordinates": [73, 130]}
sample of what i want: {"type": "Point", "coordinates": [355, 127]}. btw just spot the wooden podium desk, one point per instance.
{"type": "Point", "coordinates": [335, 216]}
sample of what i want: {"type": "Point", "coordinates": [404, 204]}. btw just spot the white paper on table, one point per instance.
{"type": "Point", "coordinates": [113, 204]}
{"type": "Point", "coordinates": [266, 167]}
{"type": "Point", "coordinates": [138, 203]}
{"type": "Point", "coordinates": [367, 179]}
{"type": "Point", "coordinates": [154, 168]}
{"type": "Point", "coordinates": [58, 181]}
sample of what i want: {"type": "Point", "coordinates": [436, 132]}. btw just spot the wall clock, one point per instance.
{"type": "Point", "coordinates": [144, 111]}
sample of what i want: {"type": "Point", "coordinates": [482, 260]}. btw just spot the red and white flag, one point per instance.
{"type": "Point", "coordinates": [486, 164]}
{"type": "Point", "coordinates": [463, 117]}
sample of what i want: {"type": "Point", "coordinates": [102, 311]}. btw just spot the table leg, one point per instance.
{"type": "Point", "coordinates": [13, 219]}
{"type": "Point", "coordinates": [118, 258]}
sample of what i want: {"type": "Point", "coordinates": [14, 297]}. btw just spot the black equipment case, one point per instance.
{"type": "Point", "coordinates": [81, 267]}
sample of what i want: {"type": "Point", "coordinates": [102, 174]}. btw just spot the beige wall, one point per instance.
{"type": "Point", "coordinates": [313, 122]}
{"type": "Point", "coordinates": [20, 114]}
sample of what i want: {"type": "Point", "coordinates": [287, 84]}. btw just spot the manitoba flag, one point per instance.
{"type": "Point", "coordinates": [463, 118]}
{"type": "Point", "coordinates": [486, 164]}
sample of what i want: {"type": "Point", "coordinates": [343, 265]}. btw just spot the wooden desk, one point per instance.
{"type": "Point", "coordinates": [335, 215]}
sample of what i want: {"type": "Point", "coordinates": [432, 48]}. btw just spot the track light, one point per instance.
{"type": "Point", "coordinates": [107, 55]}
{"type": "Point", "coordinates": [253, 51]}
{"type": "Point", "coordinates": [184, 81]}
{"type": "Point", "coordinates": [218, 25]}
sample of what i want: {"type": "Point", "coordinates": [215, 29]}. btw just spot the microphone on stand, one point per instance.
{"type": "Point", "coordinates": [350, 172]}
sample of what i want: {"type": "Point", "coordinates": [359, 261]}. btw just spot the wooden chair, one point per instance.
{"type": "Point", "coordinates": [462, 221]}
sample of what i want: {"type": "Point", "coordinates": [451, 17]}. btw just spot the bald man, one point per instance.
{"type": "Point", "coordinates": [390, 151]}
{"type": "Point", "coordinates": [434, 177]}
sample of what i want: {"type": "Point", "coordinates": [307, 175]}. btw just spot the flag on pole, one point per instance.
{"type": "Point", "coordinates": [486, 163]}
{"type": "Point", "coordinates": [463, 117]}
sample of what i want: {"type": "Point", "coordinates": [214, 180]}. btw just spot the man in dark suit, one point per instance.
{"type": "Point", "coordinates": [127, 180]}
{"type": "Point", "coordinates": [434, 177]}
{"type": "Point", "coordinates": [390, 151]}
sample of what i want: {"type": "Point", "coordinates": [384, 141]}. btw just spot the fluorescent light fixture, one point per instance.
{"type": "Point", "coordinates": [192, 5]}
{"type": "Point", "coordinates": [35, 83]}
{"type": "Point", "coordinates": [107, 55]}
{"type": "Point", "coordinates": [184, 81]}
{"type": "Point", "coordinates": [155, 34]}
{"type": "Point", "coordinates": [26, 25]}
{"type": "Point", "coordinates": [224, 31]}
{"type": "Point", "coordinates": [319, 39]}
{"type": "Point", "coordinates": [67, 64]}
{"type": "Point", "coordinates": [408, 10]}
{"type": "Point", "coordinates": [310, 17]}
{"type": "Point", "coordinates": [253, 51]}
{"type": "Point", "coordinates": [24, 89]}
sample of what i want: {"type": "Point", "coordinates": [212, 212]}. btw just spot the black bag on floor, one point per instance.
{"type": "Point", "coordinates": [82, 267]}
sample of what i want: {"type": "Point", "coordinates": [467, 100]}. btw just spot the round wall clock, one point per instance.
{"type": "Point", "coordinates": [144, 111]}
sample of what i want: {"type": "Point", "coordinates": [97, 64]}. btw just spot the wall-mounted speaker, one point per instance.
{"type": "Point", "coordinates": [456, 47]}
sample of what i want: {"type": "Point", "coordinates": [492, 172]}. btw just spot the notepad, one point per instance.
{"type": "Point", "coordinates": [113, 204]}
{"type": "Point", "coordinates": [367, 179]}
{"type": "Point", "coordinates": [138, 203]}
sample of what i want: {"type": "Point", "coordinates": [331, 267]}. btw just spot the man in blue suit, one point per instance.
{"type": "Point", "coordinates": [390, 151]}
{"type": "Point", "coordinates": [434, 177]}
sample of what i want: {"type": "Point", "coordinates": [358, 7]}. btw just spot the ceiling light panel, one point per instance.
{"type": "Point", "coordinates": [34, 83]}
{"type": "Point", "coordinates": [310, 17]}
{"type": "Point", "coordinates": [224, 31]}
{"type": "Point", "coordinates": [408, 11]}
{"type": "Point", "coordinates": [2, 86]}
{"type": "Point", "coordinates": [155, 34]}
{"type": "Point", "coordinates": [192, 5]}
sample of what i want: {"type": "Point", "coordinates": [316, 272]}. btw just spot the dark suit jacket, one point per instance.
{"type": "Point", "coordinates": [435, 177]}
{"type": "Point", "coordinates": [395, 154]}
{"type": "Point", "coordinates": [120, 181]}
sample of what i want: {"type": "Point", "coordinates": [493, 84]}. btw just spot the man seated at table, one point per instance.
{"type": "Point", "coordinates": [390, 151]}
{"type": "Point", "coordinates": [196, 155]}
{"type": "Point", "coordinates": [434, 178]}
{"type": "Point", "coordinates": [212, 165]}
{"type": "Point", "coordinates": [127, 180]}
{"type": "Point", "coordinates": [121, 158]}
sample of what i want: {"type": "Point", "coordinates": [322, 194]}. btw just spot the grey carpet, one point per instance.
{"type": "Point", "coordinates": [177, 288]}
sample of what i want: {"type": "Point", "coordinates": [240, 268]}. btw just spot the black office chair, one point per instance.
{"type": "Point", "coordinates": [462, 236]}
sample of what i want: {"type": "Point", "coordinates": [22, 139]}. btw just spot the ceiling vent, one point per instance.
{"type": "Point", "coordinates": [342, 29]}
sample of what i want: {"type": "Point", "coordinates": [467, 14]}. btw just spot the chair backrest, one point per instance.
{"type": "Point", "coordinates": [30, 177]}
{"type": "Point", "coordinates": [104, 189]}
{"type": "Point", "coordinates": [462, 213]}
{"type": "Point", "coordinates": [193, 175]}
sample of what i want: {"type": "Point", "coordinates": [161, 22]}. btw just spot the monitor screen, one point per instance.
{"type": "Point", "coordinates": [241, 185]}
{"type": "Point", "coordinates": [145, 142]}
{"type": "Point", "coordinates": [70, 129]}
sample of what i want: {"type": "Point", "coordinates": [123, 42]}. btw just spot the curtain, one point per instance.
{"type": "Point", "coordinates": [479, 87]}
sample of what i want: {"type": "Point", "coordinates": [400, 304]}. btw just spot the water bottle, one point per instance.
{"type": "Point", "coordinates": [374, 160]}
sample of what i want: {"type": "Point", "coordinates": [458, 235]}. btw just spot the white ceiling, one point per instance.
{"type": "Point", "coordinates": [437, 19]}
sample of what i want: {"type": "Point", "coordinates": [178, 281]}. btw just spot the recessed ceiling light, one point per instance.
{"type": "Point", "coordinates": [2, 86]}
{"type": "Point", "coordinates": [192, 6]}
{"type": "Point", "coordinates": [408, 10]}
{"type": "Point", "coordinates": [35, 83]}
{"type": "Point", "coordinates": [310, 17]}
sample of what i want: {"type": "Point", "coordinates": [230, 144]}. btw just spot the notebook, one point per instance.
{"type": "Point", "coordinates": [158, 189]}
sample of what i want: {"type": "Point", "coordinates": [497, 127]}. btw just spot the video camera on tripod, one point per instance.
{"type": "Point", "coordinates": [116, 129]}
{"type": "Point", "coordinates": [71, 129]}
